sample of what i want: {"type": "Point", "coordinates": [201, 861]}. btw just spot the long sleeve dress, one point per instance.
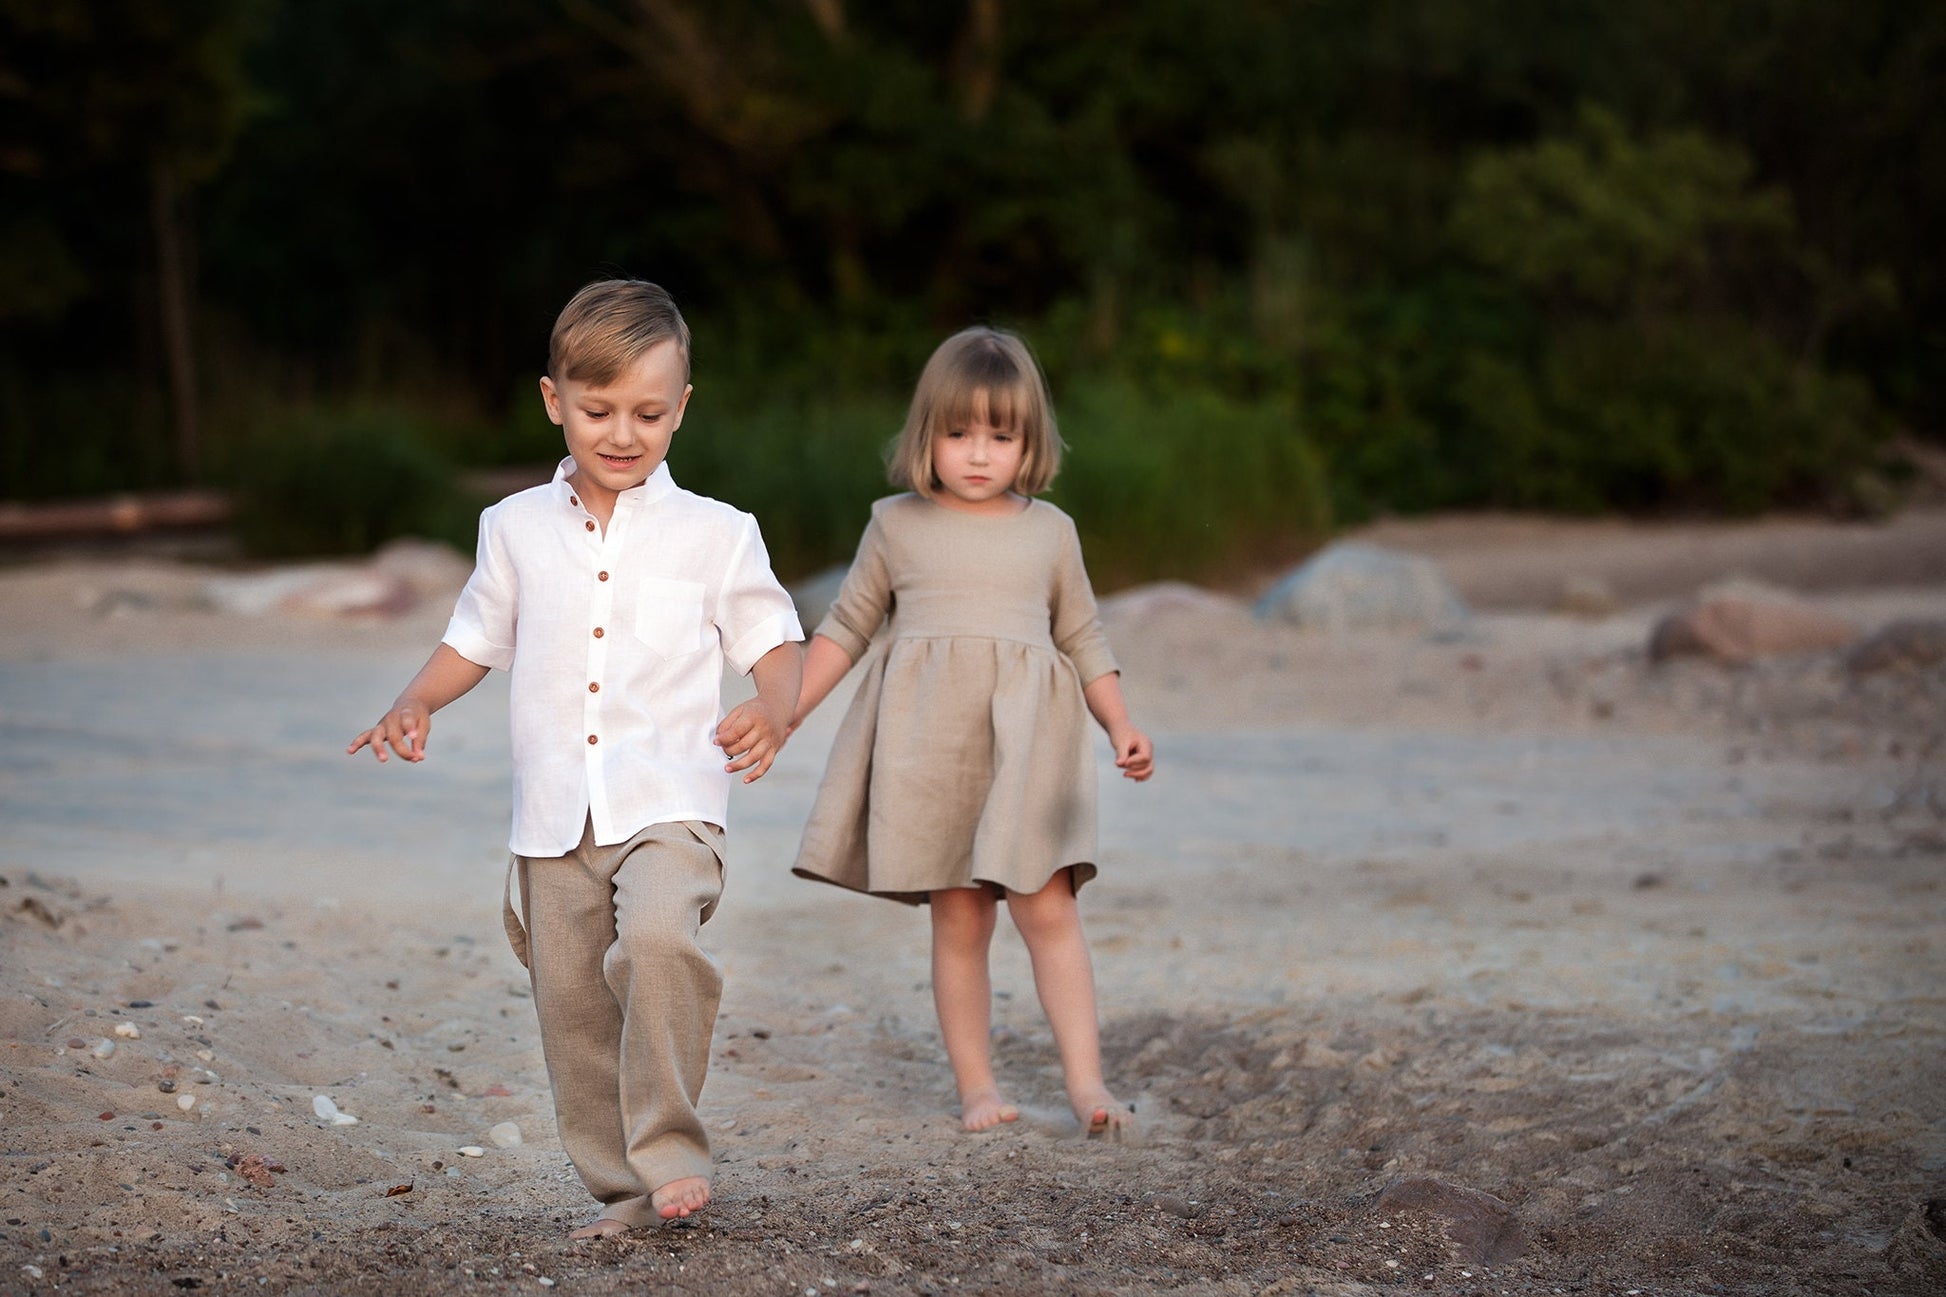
{"type": "Point", "coordinates": [965, 757]}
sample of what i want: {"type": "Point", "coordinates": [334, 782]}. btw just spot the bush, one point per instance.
{"type": "Point", "coordinates": [344, 482]}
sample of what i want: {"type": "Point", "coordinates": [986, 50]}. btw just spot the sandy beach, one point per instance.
{"type": "Point", "coordinates": [1503, 961]}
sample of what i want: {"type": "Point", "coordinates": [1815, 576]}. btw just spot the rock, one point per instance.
{"type": "Point", "coordinates": [105, 1049]}
{"type": "Point", "coordinates": [472, 1150]}
{"type": "Point", "coordinates": [318, 590]}
{"type": "Point", "coordinates": [504, 1135]}
{"type": "Point", "coordinates": [327, 1111]}
{"type": "Point", "coordinates": [1351, 586]}
{"type": "Point", "coordinates": [128, 1031]}
{"type": "Point", "coordinates": [185, 1101]}
{"type": "Point", "coordinates": [1741, 622]}
{"type": "Point", "coordinates": [362, 592]}
{"type": "Point", "coordinates": [427, 567]}
{"type": "Point", "coordinates": [1481, 1226]}
{"type": "Point", "coordinates": [1587, 596]}
{"type": "Point", "coordinates": [1140, 603]}
{"type": "Point", "coordinates": [1901, 646]}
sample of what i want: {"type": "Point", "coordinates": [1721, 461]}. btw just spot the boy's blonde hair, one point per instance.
{"type": "Point", "coordinates": [607, 326]}
{"type": "Point", "coordinates": [979, 371]}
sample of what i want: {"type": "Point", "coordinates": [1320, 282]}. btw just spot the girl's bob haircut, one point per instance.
{"type": "Point", "coordinates": [979, 373]}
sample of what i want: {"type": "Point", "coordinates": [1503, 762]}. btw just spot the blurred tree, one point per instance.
{"type": "Point", "coordinates": [127, 97]}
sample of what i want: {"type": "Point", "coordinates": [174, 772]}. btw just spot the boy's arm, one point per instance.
{"type": "Point", "coordinates": [754, 731]}
{"type": "Point", "coordinates": [445, 676]}
{"type": "Point", "coordinates": [1134, 754]}
{"type": "Point", "coordinates": [825, 664]}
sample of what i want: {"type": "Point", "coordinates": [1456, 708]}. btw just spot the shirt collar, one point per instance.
{"type": "Point", "coordinates": [659, 484]}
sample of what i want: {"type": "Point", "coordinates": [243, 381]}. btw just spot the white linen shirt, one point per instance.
{"type": "Point", "coordinates": [615, 643]}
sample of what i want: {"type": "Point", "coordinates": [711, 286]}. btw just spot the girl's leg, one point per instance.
{"type": "Point", "coordinates": [1050, 925]}
{"type": "Point", "coordinates": [962, 993]}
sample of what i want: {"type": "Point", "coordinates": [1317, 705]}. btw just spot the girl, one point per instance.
{"type": "Point", "coordinates": [963, 774]}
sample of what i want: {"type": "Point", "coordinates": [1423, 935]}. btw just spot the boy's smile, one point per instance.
{"type": "Point", "coordinates": [619, 433]}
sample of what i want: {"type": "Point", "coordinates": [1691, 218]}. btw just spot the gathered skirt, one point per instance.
{"type": "Point", "coordinates": [962, 761]}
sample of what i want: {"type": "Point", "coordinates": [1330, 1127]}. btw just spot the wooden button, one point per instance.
{"type": "Point", "coordinates": [601, 576]}
{"type": "Point", "coordinates": [598, 632]}
{"type": "Point", "coordinates": [592, 740]}
{"type": "Point", "coordinates": [589, 525]}
{"type": "Point", "coordinates": [574, 500]}
{"type": "Point", "coordinates": [593, 687]}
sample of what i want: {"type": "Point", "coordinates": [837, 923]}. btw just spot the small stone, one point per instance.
{"type": "Point", "coordinates": [328, 1111]}
{"type": "Point", "coordinates": [505, 1135]}
{"type": "Point", "coordinates": [1175, 1206]}
{"type": "Point", "coordinates": [166, 1086]}
{"type": "Point", "coordinates": [104, 1049]}
{"type": "Point", "coordinates": [472, 1150]}
{"type": "Point", "coordinates": [185, 1101]}
{"type": "Point", "coordinates": [75, 1042]}
{"type": "Point", "coordinates": [128, 1031]}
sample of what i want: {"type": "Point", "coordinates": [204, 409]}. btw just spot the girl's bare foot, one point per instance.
{"type": "Point", "coordinates": [1102, 1114]}
{"type": "Point", "coordinates": [985, 1109]}
{"type": "Point", "coordinates": [600, 1229]}
{"type": "Point", "coordinates": [678, 1198]}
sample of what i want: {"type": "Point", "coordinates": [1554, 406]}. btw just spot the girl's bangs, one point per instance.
{"type": "Point", "coordinates": [1000, 404]}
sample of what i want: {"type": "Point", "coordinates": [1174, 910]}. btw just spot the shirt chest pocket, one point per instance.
{"type": "Point", "coordinates": [669, 616]}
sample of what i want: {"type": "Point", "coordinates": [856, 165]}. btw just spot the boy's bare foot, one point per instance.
{"type": "Point", "coordinates": [600, 1229]}
{"type": "Point", "coordinates": [985, 1109]}
{"type": "Point", "coordinates": [679, 1198]}
{"type": "Point", "coordinates": [1102, 1114]}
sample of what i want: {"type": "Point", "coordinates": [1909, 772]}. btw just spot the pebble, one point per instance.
{"type": "Point", "coordinates": [166, 1086]}
{"type": "Point", "coordinates": [505, 1135]}
{"type": "Point", "coordinates": [104, 1049]}
{"type": "Point", "coordinates": [128, 1031]}
{"type": "Point", "coordinates": [185, 1101]}
{"type": "Point", "coordinates": [328, 1111]}
{"type": "Point", "coordinates": [472, 1150]}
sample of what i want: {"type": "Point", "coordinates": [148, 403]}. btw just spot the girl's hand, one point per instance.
{"type": "Point", "coordinates": [1134, 754]}
{"type": "Point", "coordinates": [752, 738]}
{"type": "Point", "coordinates": [404, 728]}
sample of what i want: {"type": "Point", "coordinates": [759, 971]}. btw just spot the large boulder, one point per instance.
{"type": "Point", "coordinates": [1353, 586]}
{"type": "Point", "coordinates": [1740, 622]}
{"type": "Point", "coordinates": [1916, 645]}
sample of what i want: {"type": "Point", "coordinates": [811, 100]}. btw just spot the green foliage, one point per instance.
{"type": "Point", "coordinates": [344, 482]}
{"type": "Point", "coordinates": [1434, 254]}
{"type": "Point", "coordinates": [808, 470]}
{"type": "Point", "coordinates": [1181, 482]}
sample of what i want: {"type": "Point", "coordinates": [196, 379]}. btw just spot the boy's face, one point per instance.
{"type": "Point", "coordinates": [619, 434]}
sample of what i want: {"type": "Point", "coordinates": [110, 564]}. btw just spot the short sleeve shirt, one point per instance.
{"type": "Point", "coordinates": [615, 643]}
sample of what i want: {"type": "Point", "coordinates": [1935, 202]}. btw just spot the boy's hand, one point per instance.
{"type": "Point", "coordinates": [405, 728]}
{"type": "Point", "coordinates": [1134, 754]}
{"type": "Point", "coordinates": [752, 737]}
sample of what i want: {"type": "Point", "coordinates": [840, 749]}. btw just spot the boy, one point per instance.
{"type": "Point", "coordinates": [613, 597]}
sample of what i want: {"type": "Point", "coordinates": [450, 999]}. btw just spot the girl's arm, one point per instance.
{"type": "Point", "coordinates": [1134, 754]}
{"type": "Point", "coordinates": [445, 676]}
{"type": "Point", "coordinates": [825, 664]}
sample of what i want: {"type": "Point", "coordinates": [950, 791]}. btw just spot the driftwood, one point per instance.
{"type": "Point", "coordinates": [119, 515]}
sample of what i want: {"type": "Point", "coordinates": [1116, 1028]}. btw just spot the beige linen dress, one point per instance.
{"type": "Point", "coordinates": [966, 756]}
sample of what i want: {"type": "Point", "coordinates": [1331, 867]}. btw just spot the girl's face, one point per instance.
{"type": "Point", "coordinates": [976, 463]}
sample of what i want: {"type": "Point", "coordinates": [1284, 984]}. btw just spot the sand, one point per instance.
{"type": "Point", "coordinates": [1639, 966]}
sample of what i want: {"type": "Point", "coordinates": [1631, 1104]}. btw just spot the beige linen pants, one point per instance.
{"type": "Point", "coordinates": [627, 1003]}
